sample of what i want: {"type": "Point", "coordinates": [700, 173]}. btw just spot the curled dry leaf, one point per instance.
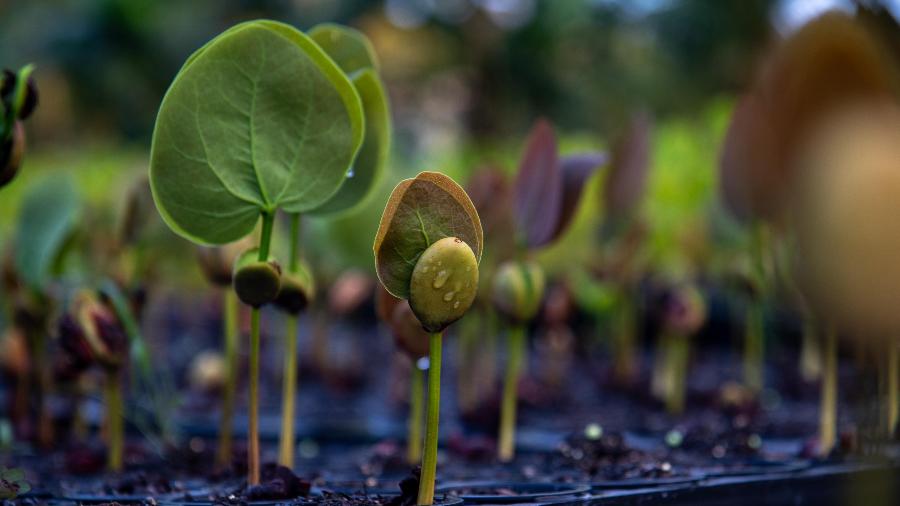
{"type": "Point", "coordinates": [420, 212]}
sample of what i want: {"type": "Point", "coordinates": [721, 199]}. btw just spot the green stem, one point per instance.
{"type": "Point", "coordinates": [516, 352]}
{"type": "Point", "coordinates": [828, 400]}
{"type": "Point", "coordinates": [253, 443]}
{"type": "Point", "coordinates": [624, 364]}
{"type": "Point", "coordinates": [414, 441]}
{"type": "Point", "coordinates": [679, 350]}
{"type": "Point", "coordinates": [288, 393]}
{"type": "Point", "coordinates": [429, 460]}
{"type": "Point", "coordinates": [754, 347]}
{"type": "Point", "coordinates": [810, 356]}
{"type": "Point", "coordinates": [289, 386]}
{"type": "Point", "coordinates": [230, 302]}
{"type": "Point", "coordinates": [114, 421]}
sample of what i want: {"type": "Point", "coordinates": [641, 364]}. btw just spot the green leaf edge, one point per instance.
{"type": "Point", "coordinates": [359, 78]}
{"type": "Point", "coordinates": [331, 71]}
{"type": "Point", "coordinates": [352, 33]}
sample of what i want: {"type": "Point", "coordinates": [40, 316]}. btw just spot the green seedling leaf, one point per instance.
{"type": "Point", "coordinates": [627, 176]}
{"type": "Point", "coordinates": [349, 48]}
{"type": "Point", "coordinates": [370, 162]}
{"type": "Point", "coordinates": [537, 193]}
{"type": "Point", "coordinates": [575, 171]}
{"type": "Point", "coordinates": [258, 119]}
{"type": "Point", "coordinates": [47, 220]}
{"type": "Point", "coordinates": [420, 212]}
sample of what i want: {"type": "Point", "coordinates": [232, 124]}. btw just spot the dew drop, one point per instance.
{"type": "Point", "coordinates": [455, 304]}
{"type": "Point", "coordinates": [449, 296]}
{"type": "Point", "coordinates": [441, 278]}
{"type": "Point", "coordinates": [350, 173]}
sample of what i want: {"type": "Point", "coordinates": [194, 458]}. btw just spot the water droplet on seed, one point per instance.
{"type": "Point", "coordinates": [441, 277]}
{"type": "Point", "coordinates": [449, 296]}
{"type": "Point", "coordinates": [455, 304]}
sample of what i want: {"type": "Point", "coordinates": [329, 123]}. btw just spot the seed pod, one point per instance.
{"type": "Point", "coordinates": [683, 311]}
{"type": "Point", "coordinates": [256, 282]}
{"type": "Point", "coordinates": [11, 153]}
{"type": "Point", "coordinates": [518, 289]}
{"type": "Point", "coordinates": [408, 333]}
{"type": "Point", "coordinates": [100, 329]}
{"type": "Point", "coordinates": [297, 290]}
{"type": "Point", "coordinates": [444, 283]}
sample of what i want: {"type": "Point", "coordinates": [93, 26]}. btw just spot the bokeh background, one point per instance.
{"type": "Point", "coordinates": [466, 80]}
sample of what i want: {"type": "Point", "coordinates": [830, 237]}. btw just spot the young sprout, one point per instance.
{"type": "Point", "coordinates": [623, 190]}
{"type": "Point", "coordinates": [517, 293]}
{"type": "Point", "coordinates": [18, 98]}
{"type": "Point", "coordinates": [683, 313]}
{"type": "Point", "coordinates": [831, 64]}
{"type": "Point", "coordinates": [47, 220]}
{"type": "Point", "coordinates": [545, 196]}
{"type": "Point", "coordinates": [91, 327]}
{"type": "Point", "coordinates": [217, 265]}
{"type": "Point", "coordinates": [412, 340]}
{"type": "Point", "coordinates": [355, 56]}
{"type": "Point", "coordinates": [847, 175]}
{"type": "Point", "coordinates": [417, 259]}
{"type": "Point", "coordinates": [237, 138]}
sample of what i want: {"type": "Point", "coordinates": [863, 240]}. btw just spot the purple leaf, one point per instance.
{"type": "Point", "coordinates": [537, 193]}
{"type": "Point", "coordinates": [575, 171]}
{"type": "Point", "coordinates": [628, 170]}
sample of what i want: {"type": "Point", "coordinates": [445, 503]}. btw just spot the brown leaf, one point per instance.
{"type": "Point", "coordinates": [575, 171]}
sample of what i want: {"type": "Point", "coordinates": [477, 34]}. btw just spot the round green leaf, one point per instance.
{"type": "Point", "coordinates": [47, 219]}
{"type": "Point", "coordinates": [349, 48]}
{"type": "Point", "coordinates": [256, 120]}
{"type": "Point", "coordinates": [369, 164]}
{"type": "Point", "coordinates": [420, 212]}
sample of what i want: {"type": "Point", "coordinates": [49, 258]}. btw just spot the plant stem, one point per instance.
{"type": "Point", "coordinates": [828, 408]}
{"type": "Point", "coordinates": [623, 339]}
{"type": "Point", "coordinates": [429, 460]}
{"type": "Point", "coordinates": [230, 310]}
{"type": "Point", "coordinates": [414, 440]}
{"type": "Point", "coordinates": [516, 352]}
{"type": "Point", "coordinates": [679, 350]}
{"type": "Point", "coordinates": [893, 389]}
{"type": "Point", "coordinates": [289, 386]}
{"type": "Point", "coordinates": [288, 392]}
{"type": "Point", "coordinates": [114, 421]}
{"type": "Point", "coordinates": [810, 356]}
{"type": "Point", "coordinates": [754, 347]}
{"type": "Point", "coordinates": [253, 444]}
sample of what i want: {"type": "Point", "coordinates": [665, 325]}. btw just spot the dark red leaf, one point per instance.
{"type": "Point", "coordinates": [628, 170]}
{"type": "Point", "coordinates": [538, 188]}
{"type": "Point", "coordinates": [575, 171]}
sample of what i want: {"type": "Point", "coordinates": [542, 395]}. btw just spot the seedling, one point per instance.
{"type": "Point", "coordinates": [18, 97]}
{"type": "Point", "coordinates": [622, 193]}
{"type": "Point", "coordinates": [683, 313]}
{"type": "Point", "coordinates": [545, 196]}
{"type": "Point", "coordinates": [47, 220]}
{"type": "Point", "coordinates": [92, 324]}
{"type": "Point", "coordinates": [427, 251]}
{"type": "Point", "coordinates": [825, 67]}
{"type": "Point", "coordinates": [259, 119]}
{"type": "Point", "coordinates": [217, 266]}
{"type": "Point", "coordinates": [412, 340]}
{"type": "Point", "coordinates": [353, 53]}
